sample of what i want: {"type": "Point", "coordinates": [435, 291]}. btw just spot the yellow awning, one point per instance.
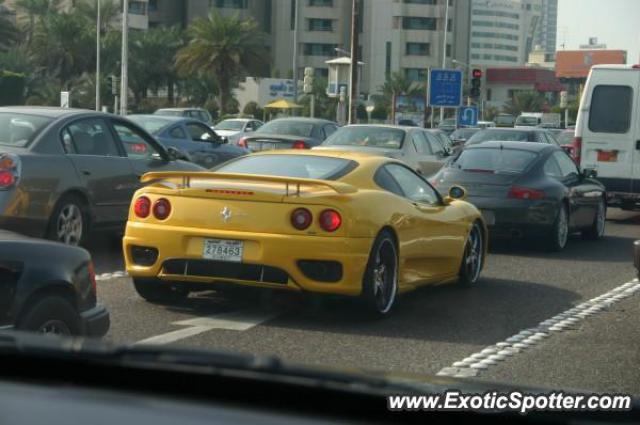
{"type": "Point", "coordinates": [283, 104]}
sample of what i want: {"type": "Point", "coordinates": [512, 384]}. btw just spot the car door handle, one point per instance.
{"type": "Point", "coordinates": [86, 172]}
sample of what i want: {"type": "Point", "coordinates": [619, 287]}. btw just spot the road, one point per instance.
{"type": "Point", "coordinates": [437, 330]}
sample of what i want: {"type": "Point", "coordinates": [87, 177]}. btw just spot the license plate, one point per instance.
{"type": "Point", "coordinates": [489, 217]}
{"type": "Point", "coordinates": [268, 146]}
{"type": "Point", "coordinates": [223, 250]}
{"type": "Point", "coordinates": [608, 156]}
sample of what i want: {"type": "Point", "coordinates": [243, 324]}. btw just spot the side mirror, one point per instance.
{"type": "Point", "coordinates": [589, 173]}
{"type": "Point", "coordinates": [175, 155]}
{"type": "Point", "coordinates": [456, 193]}
{"type": "Point", "coordinates": [248, 130]}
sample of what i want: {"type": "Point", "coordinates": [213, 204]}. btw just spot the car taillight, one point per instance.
{"type": "Point", "coordinates": [525, 193]}
{"type": "Point", "coordinates": [301, 218]}
{"type": "Point", "coordinates": [299, 144]}
{"type": "Point", "coordinates": [243, 142]}
{"type": "Point", "coordinates": [576, 152]}
{"type": "Point", "coordinates": [330, 220]}
{"type": "Point", "coordinates": [9, 170]}
{"type": "Point", "coordinates": [142, 207]}
{"type": "Point", "coordinates": [92, 277]}
{"type": "Point", "coordinates": [161, 209]}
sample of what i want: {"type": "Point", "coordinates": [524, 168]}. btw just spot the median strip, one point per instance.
{"type": "Point", "coordinates": [568, 320]}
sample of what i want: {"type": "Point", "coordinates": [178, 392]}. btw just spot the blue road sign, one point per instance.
{"type": "Point", "coordinates": [468, 116]}
{"type": "Point", "coordinates": [445, 88]}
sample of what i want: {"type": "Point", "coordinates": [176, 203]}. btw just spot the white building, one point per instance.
{"type": "Point", "coordinates": [502, 31]}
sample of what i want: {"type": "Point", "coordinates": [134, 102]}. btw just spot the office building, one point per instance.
{"type": "Point", "coordinates": [502, 31]}
{"type": "Point", "coordinates": [546, 30]}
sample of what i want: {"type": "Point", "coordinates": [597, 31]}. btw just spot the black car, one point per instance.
{"type": "Point", "coordinates": [65, 172]}
{"type": "Point", "coordinates": [528, 189]}
{"type": "Point", "coordinates": [533, 134]}
{"type": "Point", "coordinates": [289, 133]}
{"type": "Point", "coordinates": [48, 287]}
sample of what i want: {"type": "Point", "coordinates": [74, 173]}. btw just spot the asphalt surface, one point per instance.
{"type": "Point", "coordinates": [431, 328]}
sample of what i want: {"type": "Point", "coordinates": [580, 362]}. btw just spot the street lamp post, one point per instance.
{"type": "Point", "coordinates": [353, 80]}
{"type": "Point", "coordinates": [444, 46]}
{"type": "Point", "coordinates": [98, 25]}
{"type": "Point", "coordinates": [295, 50]}
{"type": "Point", "coordinates": [124, 87]}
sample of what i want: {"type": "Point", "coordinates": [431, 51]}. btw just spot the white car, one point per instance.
{"type": "Point", "coordinates": [607, 136]}
{"type": "Point", "coordinates": [232, 128]}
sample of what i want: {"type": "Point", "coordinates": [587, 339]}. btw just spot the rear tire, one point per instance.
{"type": "Point", "coordinates": [158, 292]}
{"type": "Point", "coordinates": [559, 234]}
{"type": "Point", "coordinates": [596, 231]}
{"type": "Point", "coordinates": [69, 221]}
{"type": "Point", "coordinates": [51, 315]}
{"type": "Point", "coordinates": [473, 258]}
{"type": "Point", "coordinates": [380, 280]}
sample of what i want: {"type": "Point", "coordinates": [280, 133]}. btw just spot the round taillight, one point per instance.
{"type": "Point", "coordinates": [7, 179]}
{"type": "Point", "coordinates": [142, 207]}
{"type": "Point", "coordinates": [301, 218]}
{"type": "Point", "coordinates": [161, 209]}
{"type": "Point", "coordinates": [330, 220]}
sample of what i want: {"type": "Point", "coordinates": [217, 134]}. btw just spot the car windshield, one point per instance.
{"type": "Point", "coordinates": [151, 124]}
{"type": "Point", "coordinates": [304, 166]}
{"type": "Point", "coordinates": [494, 160]}
{"type": "Point", "coordinates": [287, 128]}
{"type": "Point", "coordinates": [230, 125]}
{"type": "Point", "coordinates": [498, 136]}
{"type": "Point", "coordinates": [529, 121]}
{"type": "Point", "coordinates": [20, 129]}
{"type": "Point", "coordinates": [373, 137]}
{"type": "Point", "coordinates": [463, 133]}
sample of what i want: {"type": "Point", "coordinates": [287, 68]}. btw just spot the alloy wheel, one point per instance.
{"type": "Point", "coordinates": [473, 259]}
{"type": "Point", "coordinates": [69, 225]}
{"type": "Point", "coordinates": [55, 327]}
{"type": "Point", "coordinates": [562, 233]}
{"type": "Point", "coordinates": [384, 275]}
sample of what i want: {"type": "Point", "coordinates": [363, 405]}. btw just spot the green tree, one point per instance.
{"type": "Point", "coordinates": [228, 48]}
{"type": "Point", "coordinates": [526, 101]}
{"type": "Point", "coordinates": [8, 31]}
{"type": "Point", "coordinates": [109, 10]}
{"type": "Point", "coordinates": [253, 109]}
{"type": "Point", "coordinates": [325, 106]}
{"type": "Point", "coordinates": [35, 10]}
{"type": "Point", "coordinates": [398, 84]}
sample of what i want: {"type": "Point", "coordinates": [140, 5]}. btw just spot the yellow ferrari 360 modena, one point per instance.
{"type": "Point", "coordinates": [325, 222]}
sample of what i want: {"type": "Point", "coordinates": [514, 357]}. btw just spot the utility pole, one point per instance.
{"type": "Point", "coordinates": [444, 47]}
{"type": "Point", "coordinates": [98, 25]}
{"type": "Point", "coordinates": [353, 80]}
{"type": "Point", "coordinates": [124, 88]}
{"type": "Point", "coordinates": [296, 4]}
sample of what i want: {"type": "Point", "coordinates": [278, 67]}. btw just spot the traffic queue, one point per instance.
{"type": "Point", "coordinates": [300, 204]}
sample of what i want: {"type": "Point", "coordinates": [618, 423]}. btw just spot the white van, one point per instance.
{"type": "Point", "coordinates": [607, 135]}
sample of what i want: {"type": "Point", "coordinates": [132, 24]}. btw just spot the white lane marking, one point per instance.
{"type": "Point", "coordinates": [111, 275]}
{"type": "Point", "coordinates": [568, 320]}
{"type": "Point", "coordinates": [236, 321]}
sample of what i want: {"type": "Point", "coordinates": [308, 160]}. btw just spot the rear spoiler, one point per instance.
{"type": "Point", "coordinates": [290, 182]}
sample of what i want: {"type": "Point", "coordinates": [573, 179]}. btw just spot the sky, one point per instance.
{"type": "Point", "coordinates": [615, 23]}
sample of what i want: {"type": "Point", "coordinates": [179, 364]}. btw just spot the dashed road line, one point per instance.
{"type": "Point", "coordinates": [236, 321]}
{"type": "Point", "coordinates": [568, 320]}
{"type": "Point", "coordinates": [111, 275]}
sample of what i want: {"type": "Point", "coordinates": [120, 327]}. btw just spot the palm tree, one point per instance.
{"type": "Point", "coordinates": [398, 84]}
{"type": "Point", "coordinates": [109, 10]}
{"type": "Point", "coordinates": [228, 48]}
{"type": "Point", "coordinates": [8, 30]}
{"type": "Point", "coordinates": [35, 9]}
{"type": "Point", "coordinates": [526, 101]}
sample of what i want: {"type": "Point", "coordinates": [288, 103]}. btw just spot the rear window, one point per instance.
{"type": "Point", "coordinates": [151, 124]}
{"type": "Point", "coordinates": [373, 137]}
{"type": "Point", "coordinates": [498, 136]}
{"type": "Point", "coordinates": [494, 160]}
{"type": "Point", "coordinates": [288, 127]}
{"type": "Point", "coordinates": [533, 121]}
{"type": "Point", "coordinates": [20, 129]}
{"type": "Point", "coordinates": [610, 110]}
{"type": "Point", "coordinates": [303, 166]}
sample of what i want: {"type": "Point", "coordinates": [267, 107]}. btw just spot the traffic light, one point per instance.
{"type": "Point", "coordinates": [308, 80]}
{"type": "Point", "coordinates": [476, 82]}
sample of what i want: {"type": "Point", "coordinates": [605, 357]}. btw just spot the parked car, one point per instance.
{"type": "Point", "coordinates": [448, 125]}
{"type": "Point", "coordinates": [444, 138]}
{"type": "Point", "coordinates": [64, 172]}
{"type": "Point", "coordinates": [527, 189]}
{"type": "Point", "coordinates": [461, 135]}
{"type": "Point", "coordinates": [531, 134]}
{"type": "Point", "coordinates": [287, 133]}
{"type": "Point", "coordinates": [48, 287]}
{"type": "Point", "coordinates": [505, 120]}
{"type": "Point", "coordinates": [607, 133]}
{"type": "Point", "coordinates": [342, 223]}
{"type": "Point", "coordinates": [196, 113]}
{"type": "Point", "coordinates": [234, 128]}
{"type": "Point", "coordinates": [486, 124]}
{"type": "Point", "coordinates": [192, 140]}
{"type": "Point", "coordinates": [418, 148]}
